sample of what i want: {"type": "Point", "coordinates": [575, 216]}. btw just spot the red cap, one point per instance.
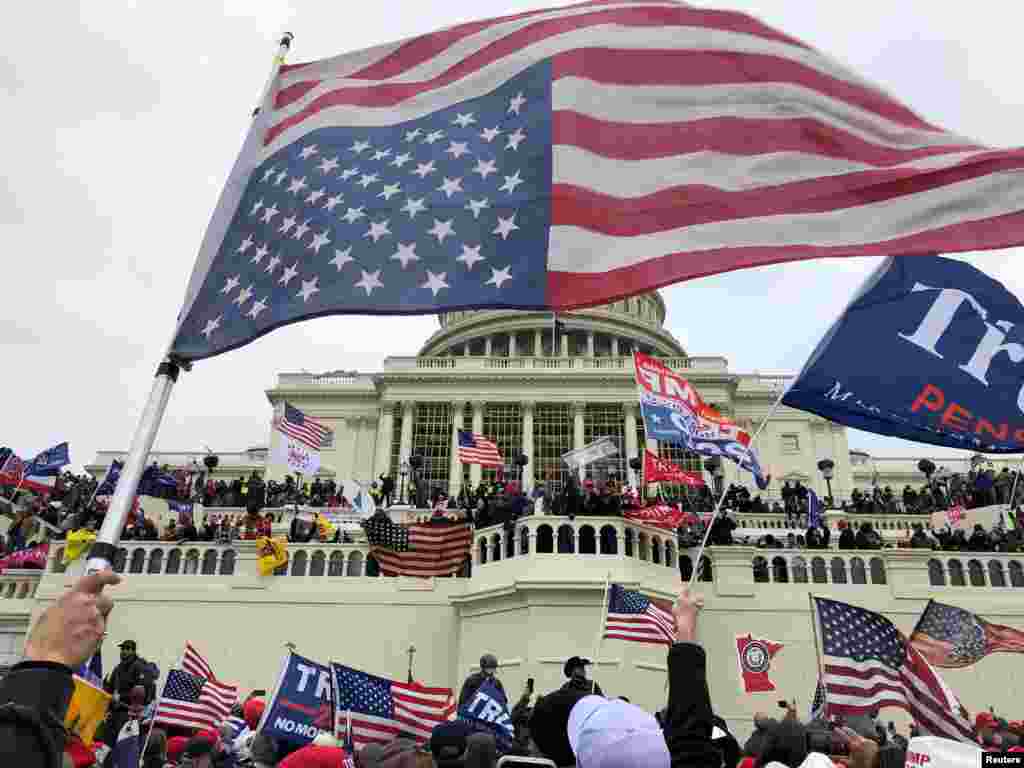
{"type": "Point", "coordinates": [252, 711]}
{"type": "Point", "coordinates": [985, 720]}
{"type": "Point", "coordinates": [81, 755]}
{"type": "Point", "coordinates": [315, 757]}
{"type": "Point", "coordinates": [175, 747]}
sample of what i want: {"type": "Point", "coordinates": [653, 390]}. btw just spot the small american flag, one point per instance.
{"type": "Point", "coordinates": [951, 637]}
{"type": "Point", "coordinates": [381, 709]}
{"type": "Point", "coordinates": [631, 616]}
{"type": "Point", "coordinates": [296, 424]}
{"type": "Point", "coordinates": [818, 704]}
{"type": "Point", "coordinates": [477, 449]}
{"type": "Point", "coordinates": [192, 702]}
{"type": "Point", "coordinates": [437, 548]}
{"type": "Point", "coordinates": [868, 664]}
{"type": "Point", "coordinates": [194, 663]}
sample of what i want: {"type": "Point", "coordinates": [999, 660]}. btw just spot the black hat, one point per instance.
{"type": "Point", "coordinates": [130, 644]}
{"type": "Point", "coordinates": [574, 662]}
{"type": "Point", "coordinates": [488, 661]}
{"type": "Point", "coordinates": [448, 741]}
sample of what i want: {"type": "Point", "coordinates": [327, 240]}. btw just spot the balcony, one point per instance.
{"type": "Point", "coordinates": [483, 363]}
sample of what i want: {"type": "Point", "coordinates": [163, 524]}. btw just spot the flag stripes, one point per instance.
{"type": "Point", "coordinates": [477, 449]}
{"type": "Point", "coordinates": [194, 663]}
{"type": "Point", "coordinates": [435, 549]}
{"type": "Point", "coordinates": [634, 617]}
{"type": "Point", "coordinates": [191, 702]}
{"type": "Point", "coordinates": [301, 427]}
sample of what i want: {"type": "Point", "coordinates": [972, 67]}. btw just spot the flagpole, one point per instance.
{"type": "Point", "coordinates": [104, 549]}
{"type": "Point", "coordinates": [725, 489]}
{"type": "Point", "coordinates": [817, 653]}
{"type": "Point", "coordinates": [604, 615]}
{"type": "Point", "coordinates": [156, 709]}
{"type": "Point", "coordinates": [1013, 488]}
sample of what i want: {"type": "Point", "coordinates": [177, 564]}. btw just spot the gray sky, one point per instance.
{"type": "Point", "coordinates": [123, 119]}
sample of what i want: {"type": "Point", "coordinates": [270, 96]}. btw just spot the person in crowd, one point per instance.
{"type": "Point", "coordinates": [488, 670]}
{"type": "Point", "coordinates": [867, 537]}
{"type": "Point", "coordinates": [847, 538]}
{"type": "Point", "coordinates": [919, 539]}
{"type": "Point", "coordinates": [156, 750]}
{"type": "Point", "coordinates": [133, 671]}
{"type": "Point", "coordinates": [387, 490]}
{"type": "Point", "coordinates": [576, 670]}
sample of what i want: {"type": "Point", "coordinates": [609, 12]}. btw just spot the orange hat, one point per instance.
{"type": "Point", "coordinates": [252, 711]}
{"type": "Point", "coordinates": [176, 747]}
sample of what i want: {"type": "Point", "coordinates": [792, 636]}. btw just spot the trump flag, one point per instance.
{"type": "Point", "coordinates": [570, 157]}
{"type": "Point", "coordinates": [302, 703]}
{"type": "Point", "coordinates": [944, 364]}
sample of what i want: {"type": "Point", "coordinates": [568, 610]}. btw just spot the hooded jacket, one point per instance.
{"type": "Point", "coordinates": [34, 698]}
{"type": "Point", "coordinates": [688, 717]}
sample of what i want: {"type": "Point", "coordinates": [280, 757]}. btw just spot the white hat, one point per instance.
{"type": "Point", "coordinates": [607, 733]}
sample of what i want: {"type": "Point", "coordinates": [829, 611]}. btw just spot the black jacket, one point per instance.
{"type": "Point", "coordinates": [586, 687]}
{"type": "Point", "coordinates": [127, 675]}
{"type": "Point", "coordinates": [473, 682]}
{"type": "Point", "coordinates": [549, 724]}
{"type": "Point", "coordinates": [34, 699]}
{"type": "Point", "coordinates": [688, 717]}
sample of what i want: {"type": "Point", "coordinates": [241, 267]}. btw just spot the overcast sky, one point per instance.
{"type": "Point", "coordinates": [123, 118]}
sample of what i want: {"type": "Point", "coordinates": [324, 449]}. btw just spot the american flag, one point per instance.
{"type": "Point", "coordinates": [436, 548]}
{"type": "Point", "coordinates": [195, 664]}
{"type": "Point", "coordinates": [631, 616]}
{"type": "Point", "coordinates": [477, 449]}
{"type": "Point", "coordinates": [193, 702]}
{"type": "Point", "coordinates": [569, 157]}
{"type": "Point", "coordinates": [381, 709]}
{"type": "Point", "coordinates": [296, 424]}
{"type": "Point", "coordinates": [951, 637]}
{"type": "Point", "coordinates": [818, 702]}
{"type": "Point", "coordinates": [869, 664]}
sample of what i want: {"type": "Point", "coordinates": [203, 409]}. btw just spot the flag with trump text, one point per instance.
{"type": "Point", "coordinates": [302, 703]}
{"type": "Point", "coordinates": [570, 157]}
{"type": "Point", "coordinates": [867, 664]}
{"type": "Point", "coordinates": [434, 548]}
{"type": "Point", "coordinates": [945, 362]}
{"type": "Point", "coordinates": [637, 618]}
{"type": "Point", "coordinates": [659, 470]}
{"type": "Point", "coordinates": [380, 709]}
{"type": "Point", "coordinates": [951, 637]}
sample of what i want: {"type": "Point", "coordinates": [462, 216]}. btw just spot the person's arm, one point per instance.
{"type": "Point", "coordinates": [688, 717]}
{"type": "Point", "coordinates": [34, 696]}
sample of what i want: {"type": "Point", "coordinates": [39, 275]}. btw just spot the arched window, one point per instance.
{"type": "Point", "coordinates": [336, 565]}
{"type": "Point", "coordinates": [524, 541]}
{"type": "Point", "coordinates": [588, 541]}
{"type": "Point", "coordinates": [495, 548]}
{"type": "Point", "coordinates": [838, 570]}
{"type": "Point", "coordinates": [192, 562]}
{"type": "Point", "coordinates": [878, 571]}
{"type": "Point", "coordinates": [656, 550]}
{"type": "Point", "coordinates": [857, 571]}
{"type": "Point", "coordinates": [670, 554]}
{"type": "Point", "coordinates": [761, 570]}
{"type": "Point", "coordinates": [706, 570]}
{"type": "Point", "coordinates": [317, 564]}
{"type": "Point", "coordinates": [609, 540]}
{"type": "Point", "coordinates": [372, 566]}
{"type": "Point", "coordinates": [956, 573]}
{"type": "Point", "coordinates": [156, 561]}
{"type": "Point", "coordinates": [642, 546]}
{"type": "Point", "coordinates": [227, 562]}
{"type": "Point", "coordinates": [819, 574]}
{"type": "Point", "coordinates": [138, 561]}
{"type": "Point", "coordinates": [685, 568]}
{"type": "Point", "coordinates": [173, 561]}
{"type": "Point", "coordinates": [545, 539]}
{"type": "Point", "coordinates": [1016, 574]}
{"type": "Point", "coordinates": [996, 575]}
{"type": "Point", "coordinates": [565, 539]}
{"type": "Point", "coordinates": [780, 573]}
{"type": "Point", "coordinates": [120, 560]}
{"type": "Point", "coordinates": [58, 562]}
{"type": "Point", "coordinates": [630, 537]}
{"type": "Point", "coordinates": [299, 563]}
{"type": "Point", "coordinates": [936, 576]}
{"type": "Point", "coordinates": [799, 570]}
{"type": "Point", "coordinates": [976, 573]}
{"type": "Point", "coordinates": [210, 562]}
{"type": "Point", "coordinates": [481, 547]}
{"type": "Point", "coordinates": [355, 564]}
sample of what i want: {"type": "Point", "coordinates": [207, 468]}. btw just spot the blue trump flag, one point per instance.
{"type": "Point", "coordinates": [931, 350]}
{"type": "Point", "coordinates": [814, 509]}
{"type": "Point", "coordinates": [106, 488]}
{"type": "Point", "coordinates": [487, 711]}
{"type": "Point", "coordinates": [301, 705]}
{"type": "Point", "coordinates": [48, 463]}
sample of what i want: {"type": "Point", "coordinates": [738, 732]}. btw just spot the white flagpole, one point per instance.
{"type": "Point", "coordinates": [604, 616]}
{"type": "Point", "coordinates": [104, 549]}
{"type": "Point", "coordinates": [721, 498]}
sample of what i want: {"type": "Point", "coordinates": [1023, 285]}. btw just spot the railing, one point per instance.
{"type": "Point", "coordinates": [976, 569]}
{"type": "Point", "coordinates": [18, 585]}
{"type": "Point", "coordinates": [818, 567]}
{"type": "Point", "coordinates": [330, 379]}
{"type": "Point", "coordinates": [580, 363]}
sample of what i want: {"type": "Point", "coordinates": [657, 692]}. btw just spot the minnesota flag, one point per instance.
{"type": "Point", "coordinates": [273, 553]}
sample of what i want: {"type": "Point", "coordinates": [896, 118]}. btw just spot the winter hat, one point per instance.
{"type": "Point", "coordinates": [313, 756]}
{"type": "Point", "coordinates": [615, 734]}
{"type": "Point", "coordinates": [176, 747]}
{"type": "Point", "coordinates": [252, 711]}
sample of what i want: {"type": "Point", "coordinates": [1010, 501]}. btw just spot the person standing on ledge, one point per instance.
{"type": "Point", "coordinates": [576, 670]}
{"type": "Point", "coordinates": [488, 668]}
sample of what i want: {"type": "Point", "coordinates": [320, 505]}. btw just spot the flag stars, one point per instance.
{"type": "Point", "coordinates": [367, 179]}
{"type": "Point", "coordinates": [301, 230]}
{"type": "Point", "coordinates": [413, 135]}
{"type": "Point", "coordinates": [279, 178]}
{"type": "Point", "coordinates": [272, 264]}
{"type": "Point", "coordinates": [308, 151]}
{"type": "Point", "coordinates": [257, 307]}
{"type": "Point", "coordinates": [505, 226]}
{"type": "Point", "coordinates": [341, 258]}
{"type": "Point", "coordinates": [485, 168]}
{"type": "Point", "coordinates": [515, 139]}
{"type": "Point", "coordinates": [309, 287]}
{"type": "Point", "coordinates": [405, 254]}
{"type": "Point", "coordinates": [377, 230]}
{"type": "Point", "coordinates": [211, 326]}
{"type": "Point", "coordinates": [295, 186]}
{"type": "Point", "coordinates": [319, 241]}
{"type": "Point", "coordinates": [333, 202]}
{"type": "Point", "coordinates": [288, 274]}
{"type": "Point", "coordinates": [490, 134]}
{"type": "Point", "coordinates": [382, 154]}
{"type": "Point", "coordinates": [476, 206]}
{"type": "Point", "coordinates": [400, 160]}
{"type": "Point", "coordinates": [261, 251]}
{"type": "Point", "coordinates": [231, 284]}
{"type": "Point", "coordinates": [313, 197]}
{"type": "Point", "coordinates": [511, 182]}
{"type": "Point", "coordinates": [267, 174]}
{"type": "Point", "coordinates": [470, 256]}
{"type": "Point", "coordinates": [328, 164]}
{"type": "Point", "coordinates": [348, 173]}
{"type": "Point", "coordinates": [435, 282]}
{"type": "Point", "coordinates": [433, 137]}
{"type": "Point", "coordinates": [369, 281]}
{"type": "Point", "coordinates": [450, 186]}
{"type": "Point", "coordinates": [464, 121]}
{"type": "Point", "coordinates": [352, 215]}
{"type": "Point", "coordinates": [515, 104]}
{"type": "Point", "coordinates": [256, 207]}
{"type": "Point", "coordinates": [500, 276]}
{"type": "Point", "coordinates": [389, 191]}
{"type": "Point", "coordinates": [360, 146]}
{"type": "Point", "coordinates": [287, 224]}
{"type": "Point", "coordinates": [441, 230]}
{"type": "Point", "coordinates": [457, 149]}
{"type": "Point", "coordinates": [413, 206]}
{"type": "Point", "coordinates": [243, 296]}
{"type": "Point", "coordinates": [245, 244]}
{"type": "Point", "coordinates": [422, 169]}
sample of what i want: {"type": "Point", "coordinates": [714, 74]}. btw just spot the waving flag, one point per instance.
{"type": "Point", "coordinates": [640, 619]}
{"type": "Point", "coordinates": [487, 711]}
{"type": "Point", "coordinates": [570, 157]}
{"type": "Point", "coordinates": [301, 440]}
{"type": "Point", "coordinates": [437, 548]}
{"type": "Point", "coordinates": [945, 363]}
{"type": "Point", "coordinates": [477, 449]}
{"type": "Point", "coordinates": [48, 463]}
{"type": "Point", "coordinates": [106, 488]}
{"type": "Point", "coordinates": [657, 470]}
{"type": "Point", "coordinates": [755, 655]}
{"type": "Point", "coordinates": [815, 508]}
{"type": "Point", "coordinates": [951, 637]}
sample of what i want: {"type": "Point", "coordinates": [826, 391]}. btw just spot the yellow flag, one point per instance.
{"type": "Point", "coordinates": [326, 527]}
{"type": "Point", "coordinates": [273, 553]}
{"type": "Point", "coordinates": [87, 709]}
{"type": "Point", "coordinates": [78, 541]}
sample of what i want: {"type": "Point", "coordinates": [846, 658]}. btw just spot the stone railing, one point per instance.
{"type": "Point", "coordinates": [482, 363]}
{"type": "Point", "coordinates": [18, 585]}
{"type": "Point", "coordinates": [330, 379]}
{"type": "Point", "coordinates": [888, 526]}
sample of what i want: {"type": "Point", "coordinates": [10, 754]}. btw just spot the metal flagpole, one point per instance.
{"type": "Point", "coordinates": [721, 498]}
{"type": "Point", "coordinates": [1013, 488]}
{"type": "Point", "coordinates": [604, 615]}
{"type": "Point", "coordinates": [817, 652]}
{"type": "Point", "coordinates": [103, 550]}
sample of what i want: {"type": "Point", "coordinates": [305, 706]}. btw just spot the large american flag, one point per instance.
{"type": "Point", "coordinates": [634, 617]}
{"type": "Point", "coordinates": [193, 702]}
{"type": "Point", "coordinates": [477, 449]}
{"type": "Point", "coordinates": [437, 548]}
{"type": "Point", "coordinates": [294, 423]}
{"type": "Point", "coordinates": [381, 709]}
{"type": "Point", "coordinates": [568, 157]}
{"type": "Point", "coordinates": [868, 663]}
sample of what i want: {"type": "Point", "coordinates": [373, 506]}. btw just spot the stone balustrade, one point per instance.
{"type": "Point", "coordinates": [18, 585]}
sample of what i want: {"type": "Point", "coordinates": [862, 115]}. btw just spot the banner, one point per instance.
{"type": "Point", "coordinates": [487, 711]}
{"type": "Point", "coordinates": [958, 518]}
{"type": "Point", "coordinates": [599, 449]}
{"type": "Point", "coordinates": [936, 752]}
{"type": "Point", "coordinates": [33, 557]}
{"type": "Point", "coordinates": [943, 365]}
{"type": "Point", "coordinates": [272, 554]}
{"type": "Point", "coordinates": [184, 512]}
{"type": "Point", "coordinates": [87, 710]}
{"type": "Point", "coordinates": [302, 703]}
{"type": "Point", "coordinates": [660, 516]}
{"type": "Point", "coordinates": [657, 470]}
{"type": "Point", "coordinates": [297, 456]}
{"type": "Point", "coordinates": [755, 659]}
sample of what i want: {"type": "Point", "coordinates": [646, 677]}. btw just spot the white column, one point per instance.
{"type": "Point", "coordinates": [629, 411]}
{"type": "Point", "coordinates": [527, 409]}
{"type": "Point", "coordinates": [488, 346]}
{"type": "Point", "coordinates": [578, 410]}
{"type": "Point", "coordinates": [405, 445]}
{"type": "Point", "coordinates": [454, 465]}
{"type": "Point", "coordinates": [565, 344]}
{"type": "Point", "coordinates": [354, 426]}
{"type": "Point", "coordinates": [615, 346]}
{"type": "Point", "coordinates": [465, 349]}
{"type": "Point", "coordinates": [512, 344]}
{"type": "Point", "coordinates": [475, 470]}
{"type": "Point", "coordinates": [538, 343]}
{"type": "Point", "coordinates": [590, 343]}
{"type": "Point", "coordinates": [385, 429]}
